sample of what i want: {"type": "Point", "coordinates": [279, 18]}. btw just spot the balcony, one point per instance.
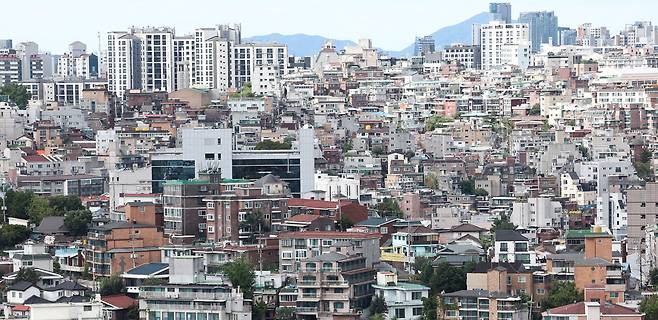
{"type": "Point", "coordinates": [507, 307]}
{"type": "Point", "coordinates": [306, 283]}
{"type": "Point", "coordinates": [301, 310]}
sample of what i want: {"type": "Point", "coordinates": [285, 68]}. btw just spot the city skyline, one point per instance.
{"type": "Point", "coordinates": [388, 36]}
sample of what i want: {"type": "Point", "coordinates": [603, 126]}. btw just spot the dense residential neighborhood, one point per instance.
{"type": "Point", "coordinates": [203, 175]}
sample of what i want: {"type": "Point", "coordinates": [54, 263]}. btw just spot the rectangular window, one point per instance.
{"type": "Point", "coordinates": [210, 156]}
{"type": "Point", "coordinates": [416, 295]}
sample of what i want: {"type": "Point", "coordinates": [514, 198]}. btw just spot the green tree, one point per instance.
{"type": "Point", "coordinates": [285, 313]}
{"type": "Point", "coordinates": [649, 306]}
{"type": "Point", "coordinates": [584, 152]}
{"type": "Point", "coordinates": [27, 274]}
{"type": "Point", "coordinates": [245, 91]}
{"type": "Point", "coordinates": [17, 94]}
{"type": "Point", "coordinates": [467, 186]}
{"type": "Point", "coordinates": [377, 305]}
{"type": "Point", "coordinates": [562, 293]}
{"type": "Point", "coordinates": [133, 312]}
{"type": "Point", "coordinates": [377, 151]}
{"type": "Point", "coordinates": [241, 274]}
{"type": "Point", "coordinates": [502, 223]}
{"type": "Point", "coordinates": [17, 203]}
{"type": "Point", "coordinates": [272, 145]}
{"type": "Point", "coordinates": [653, 278]}
{"type": "Point", "coordinates": [347, 145]}
{"type": "Point", "coordinates": [481, 192]}
{"type": "Point", "coordinates": [646, 155]}
{"type": "Point", "coordinates": [389, 208]}
{"type": "Point", "coordinates": [447, 278]}
{"type": "Point", "coordinates": [38, 209]}
{"type": "Point", "coordinates": [429, 308]}
{"type": "Point", "coordinates": [409, 154]}
{"type": "Point", "coordinates": [254, 223]}
{"type": "Point", "coordinates": [57, 268]}
{"type": "Point", "coordinates": [11, 235]}
{"type": "Point", "coordinates": [378, 316]}
{"type": "Point", "coordinates": [78, 222]}
{"type": "Point", "coordinates": [259, 310]}
{"type": "Point", "coordinates": [436, 121]}
{"type": "Point", "coordinates": [344, 223]}
{"type": "Point", "coordinates": [423, 267]}
{"type": "Point", "coordinates": [112, 285]}
{"type": "Point", "coordinates": [534, 111]}
{"type": "Point", "coordinates": [431, 181]}
{"type": "Point", "coordinates": [63, 204]}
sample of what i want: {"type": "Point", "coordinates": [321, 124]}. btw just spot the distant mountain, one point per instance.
{"type": "Point", "coordinates": [300, 44]}
{"type": "Point", "coordinates": [457, 33]}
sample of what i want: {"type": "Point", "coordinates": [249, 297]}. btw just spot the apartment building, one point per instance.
{"type": "Point", "coordinates": [246, 58]}
{"type": "Point", "coordinates": [482, 304]}
{"type": "Point", "coordinates": [404, 299]}
{"type": "Point", "coordinates": [511, 246]}
{"type": "Point", "coordinates": [504, 44]}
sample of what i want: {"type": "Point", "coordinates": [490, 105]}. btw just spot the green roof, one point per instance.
{"type": "Point", "coordinates": [585, 234]}
{"type": "Point", "coordinates": [236, 181]}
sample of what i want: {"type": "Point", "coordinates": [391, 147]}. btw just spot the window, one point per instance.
{"type": "Point", "coordinates": [210, 205]}
{"type": "Point", "coordinates": [211, 229]}
{"type": "Point", "coordinates": [399, 313]}
{"type": "Point", "coordinates": [383, 230]}
{"type": "Point", "coordinates": [503, 247]}
{"type": "Point", "coordinates": [87, 308]}
{"type": "Point", "coordinates": [338, 305]}
{"type": "Point", "coordinates": [210, 217]}
{"type": "Point", "coordinates": [418, 311]}
{"type": "Point", "coordinates": [219, 141]}
{"type": "Point", "coordinates": [286, 255]}
{"type": "Point", "coordinates": [210, 156]}
{"type": "Point", "coordinates": [521, 279]}
{"type": "Point", "coordinates": [416, 295]}
{"type": "Point", "coordinates": [541, 291]}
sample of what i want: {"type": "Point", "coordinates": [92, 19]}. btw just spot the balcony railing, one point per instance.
{"type": "Point", "coordinates": [307, 309]}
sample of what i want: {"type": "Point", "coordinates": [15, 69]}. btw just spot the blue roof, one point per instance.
{"type": "Point", "coordinates": [148, 268]}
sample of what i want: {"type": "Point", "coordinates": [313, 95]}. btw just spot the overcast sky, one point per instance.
{"type": "Point", "coordinates": [391, 24]}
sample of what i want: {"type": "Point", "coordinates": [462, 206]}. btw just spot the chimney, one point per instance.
{"type": "Point", "coordinates": [592, 311]}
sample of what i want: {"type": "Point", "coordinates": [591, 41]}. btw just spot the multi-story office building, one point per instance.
{"type": "Point", "coordinates": [543, 27]}
{"type": "Point", "coordinates": [504, 44]}
{"type": "Point", "coordinates": [424, 45]}
{"type": "Point", "coordinates": [212, 149]}
{"type": "Point", "coordinates": [566, 36]}
{"type": "Point", "coordinates": [466, 55]}
{"type": "Point", "coordinates": [245, 58]}
{"type": "Point", "coordinates": [501, 11]}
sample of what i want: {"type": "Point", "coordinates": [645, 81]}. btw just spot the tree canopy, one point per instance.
{"type": "Point", "coordinates": [11, 235]}
{"type": "Point", "coordinates": [378, 305]}
{"type": "Point", "coordinates": [436, 121]}
{"type": "Point", "coordinates": [442, 278]}
{"type": "Point", "coordinates": [389, 208]}
{"type": "Point", "coordinates": [78, 221]}
{"type": "Point", "coordinates": [502, 223]}
{"type": "Point", "coordinates": [17, 94]}
{"type": "Point", "coordinates": [273, 145]}
{"type": "Point", "coordinates": [649, 306]}
{"type": "Point", "coordinates": [27, 274]}
{"type": "Point", "coordinates": [241, 274]}
{"type": "Point", "coordinates": [112, 285]}
{"type": "Point", "coordinates": [562, 293]}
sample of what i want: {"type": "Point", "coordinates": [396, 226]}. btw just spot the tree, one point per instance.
{"type": "Point", "coordinates": [273, 145]}
{"type": "Point", "coordinates": [347, 145]}
{"type": "Point", "coordinates": [38, 209]}
{"type": "Point", "coordinates": [133, 312]}
{"type": "Point", "coordinates": [431, 181]}
{"type": "Point", "coordinates": [467, 186]}
{"type": "Point", "coordinates": [436, 121]}
{"type": "Point", "coordinates": [27, 274]}
{"type": "Point", "coordinates": [112, 285]}
{"type": "Point", "coordinates": [646, 155]}
{"type": "Point", "coordinates": [649, 306]}
{"type": "Point", "coordinates": [57, 268]}
{"type": "Point", "coordinates": [77, 222]}
{"type": "Point", "coordinates": [245, 92]}
{"type": "Point", "coordinates": [429, 308]}
{"type": "Point", "coordinates": [584, 152]}
{"type": "Point", "coordinates": [389, 208]}
{"type": "Point", "coordinates": [377, 151]}
{"type": "Point", "coordinates": [423, 267]}
{"type": "Point", "coordinates": [344, 223]}
{"type": "Point", "coordinates": [17, 203]}
{"type": "Point", "coordinates": [63, 204]}
{"type": "Point", "coordinates": [378, 305]}
{"type": "Point", "coordinates": [653, 278]}
{"type": "Point", "coordinates": [11, 235]}
{"type": "Point", "coordinates": [241, 274]}
{"type": "Point", "coordinates": [534, 111]}
{"type": "Point", "coordinates": [447, 278]}
{"type": "Point", "coordinates": [285, 313]}
{"type": "Point", "coordinates": [254, 223]}
{"type": "Point", "coordinates": [562, 293]}
{"type": "Point", "coordinates": [378, 316]}
{"type": "Point", "coordinates": [17, 94]}
{"type": "Point", "coordinates": [481, 192]}
{"type": "Point", "coordinates": [259, 310]}
{"type": "Point", "coordinates": [502, 223]}
{"type": "Point", "coordinates": [409, 154]}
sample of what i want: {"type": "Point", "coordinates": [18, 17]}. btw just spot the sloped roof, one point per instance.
{"type": "Point", "coordinates": [119, 301]}
{"type": "Point", "coordinates": [20, 286]}
{"type": "Point", "coordinates": [148, 268]}
{"type": "Point", "coordinates": [52, 225]}
{"type": "Point", "coordinates": [35, 300]}
{"type": "Point", "coordinates": [304, 218]}
{"type": "Point", "coordinates": [608, 309]}
{"type": "Point", "coordinates": [467, 227]}
{"type": "Point", "coordinates": [509, 235]}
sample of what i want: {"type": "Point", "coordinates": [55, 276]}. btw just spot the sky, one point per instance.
{"type": "Point", "coordinates": [391, 24]}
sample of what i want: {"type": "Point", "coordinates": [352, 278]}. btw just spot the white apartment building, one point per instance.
{"type": "Point", "coordinates": [537, 213]}
{"type": "Point", "coordinates": [504, 44]}
{"type": "Point", "coordinates": [265, 80]}
{"type": "Point", "coordinates": [123, 62]}
{"type": "Point", "coordinates": [404, 299]}
{"type": "Point", "coordinates": [338, 187]}
{"type": "Point", "coordinates": [77, 63]}
{"type": "Point", "coordinates": [183, 62]}
{"type": "Point", "coordinates": [157, 56]}
{"type": "Point", "coordinates": [212, 59]}
{"type": "Point", "coordinates": [245, 58]}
